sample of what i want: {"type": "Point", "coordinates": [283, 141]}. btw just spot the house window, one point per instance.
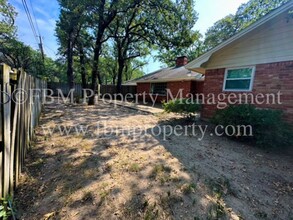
{"type": "Point", "coordinates": [239, 79]}
{"type": "Point", "coordinates": [159, 88]}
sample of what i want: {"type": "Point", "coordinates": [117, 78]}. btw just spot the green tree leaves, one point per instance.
{"type": "Point", "coordinates": [7, 17]}
{"type": "Point", "coordinates": [246, 15]}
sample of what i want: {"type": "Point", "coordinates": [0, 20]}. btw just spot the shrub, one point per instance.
{"type": "Point", "coordinates": [185, 107]}
{"type": "Point", "coordinates": [269, 129]}
{"type": "Point", "coordinates": [6, 208]}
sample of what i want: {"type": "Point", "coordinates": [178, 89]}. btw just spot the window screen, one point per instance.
{"type": "Point", "coordinates": [159, 88]}
{"type": "Point", "coordinates": [238, 79]}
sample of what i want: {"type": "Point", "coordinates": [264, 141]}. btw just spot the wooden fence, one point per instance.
{"type": "Point", "coordinates": [111, 89]}
{"type": "Point", "coordinates": [21, 102]}
{"type": "Point", "coordinates": [55, 86]}
{"type": "Point", "coordinates": [101, 89]}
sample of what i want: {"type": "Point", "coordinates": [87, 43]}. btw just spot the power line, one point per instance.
{"type": "Point", "coordinates": [34, 15]}
{"type": "Point", "coordinates": [52, 52]}
{"type": "Point", "coordinates": [37, 37]}
{"type": "Point", "coordinates": [30, 20]}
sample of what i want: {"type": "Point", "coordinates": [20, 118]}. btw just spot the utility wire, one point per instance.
{"type": "Point", "coordinates": [34, 15]}
{"type": "Point", "coordinates": [52, 52]}
{"type": "Point", "coordinates": [37, 37]}
{"type": "Point", "coordinates": [30, 20]}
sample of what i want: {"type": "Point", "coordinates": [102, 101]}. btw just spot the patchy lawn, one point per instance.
{"type": "Point", "coordinates": [114, 175]}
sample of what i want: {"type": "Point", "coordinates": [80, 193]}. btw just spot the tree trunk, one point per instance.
{"type": "Point", "coordinates": [70, 77]}
{"type": "Point", "coordinates": [95, 72]}
{"type": "Point", "coordinates": [82, 67]}
{"type": "Point", "coordinates": [120, 73]}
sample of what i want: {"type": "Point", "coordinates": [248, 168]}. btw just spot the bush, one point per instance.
{"type": "Point", "coordinates": [185, 107]}
{"type": "Point", "coordinates": [6, 208]}
{"type": "Point", "coordinates": [269, 129]}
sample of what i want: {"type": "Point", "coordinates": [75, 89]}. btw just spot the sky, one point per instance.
{"type": "Point", "coordinates": [46, 13]}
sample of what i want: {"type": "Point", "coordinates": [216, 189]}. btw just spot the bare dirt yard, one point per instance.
{"type": "Point", "coordinates": [117, 165]}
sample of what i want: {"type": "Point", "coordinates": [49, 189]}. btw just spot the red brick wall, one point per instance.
{"type": "Point", "coordinates": [176, 86]}
{"type": "Point", "coordinates": [146, 87]}
{"type": "Point", "coordinates": [213, 84]}
{"type": "Point", "coordinates": [187, 86]}
{"type": "Point", "coordinates": [269, 78]}
{"type": "Point", "coordinates": [143, 87]}
{"type": "Point", "coordinates": [196, 87]}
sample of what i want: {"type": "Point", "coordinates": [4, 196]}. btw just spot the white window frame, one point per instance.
{"type": "Point", "coordinates": [239, 90]}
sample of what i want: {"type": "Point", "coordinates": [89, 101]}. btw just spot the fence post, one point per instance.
{"type": "Point", "coordinates": [18, 132]}
{"type": "Point", "coordinates": [6, 114]}
{"type": "Point", "coordinates": [17, 123]}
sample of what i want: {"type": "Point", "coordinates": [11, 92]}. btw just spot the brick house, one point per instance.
{"type": "Point", "coordinates": [174, 79]}
{"type": "Point", "coordinates": [257, 61]}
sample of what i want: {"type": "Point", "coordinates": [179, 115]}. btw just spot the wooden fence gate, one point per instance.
{"type": "Point", "coordinates": [21, 101]}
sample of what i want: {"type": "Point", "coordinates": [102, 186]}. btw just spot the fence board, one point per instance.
{"type": "Point", "coordinates": [18, 131]}
{"type": "Point", "coordinates": [64, 88]}
{"type": "Point", "coordinates": [17, 123]}
{"type": "Point", "coordinates": [111, 89]}
{"type": "Point", "coordinates": [13, 149]}
{"type": "Point", "coordinates": [6, 128]}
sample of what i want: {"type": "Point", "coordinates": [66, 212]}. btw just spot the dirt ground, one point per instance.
{"type": "Point", "coordinates": [122, 174]}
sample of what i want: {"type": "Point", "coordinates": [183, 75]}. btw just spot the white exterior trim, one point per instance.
{"type": "Point", "coordinates": [196, 65]}
{"type": "Point", "coordinates": [165, 80]}
{"type": "Point", "coordinates": [240, 90]}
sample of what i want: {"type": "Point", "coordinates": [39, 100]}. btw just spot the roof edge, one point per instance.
{"type": "Point", "coordinates": [206, 56]}
{"type": "Point", "coordinates": [169, 80]}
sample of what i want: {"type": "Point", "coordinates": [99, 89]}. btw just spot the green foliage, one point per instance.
{"type": "Point", "coordinates": [135, 167]}
{"type": "Point", "coordinates": [178, 38]}
{"type": "Point", "coordinates": [131, 28]}
{"type": "Point", "coordinates": [220, 31]}
{"type": "Point", "coordinates": [109, 66]}
{"type": "Point", "coordinates": [18, 55]}
{"type": "Point", "coordinates": [219, 187]}
{"type": "Point", "coordinates": [7, 28]}
{"type": "Point", "coordinates": [182, 106]}
{"type": "Point", "coordinates": [188, 188]}
{"type": "Point", "coordinates": [193, 51]}
{"type": "Point", "coordinates": [246, 14]}
{"type": "Point", "coordinates": [216, 211]}
{"type": "Point", "coordinates": [269, 129]}
{"type": "Point", "coordinates": [6, 208]}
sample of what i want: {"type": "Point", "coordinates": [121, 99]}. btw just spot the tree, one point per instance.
{"type": "Point", "coordinates": [106, 12]}
{"type": "Point", "coordinates": [161, 24]}
{"type": "Point", "coordinates": [253, 10]}
{"type": "Point", "coordinates": [133, 69]}
{"type": "Point", "coordinates": [184, 37]}
{"type": "Point", "coordinates": [128, 33]}
{"type": "Point", "coordinates": [83, 49]}
{"type": "Point", "coordinates": [246, 15]}
{"type": "Point", "coordinates": [193, 51]}
{"type": "Point", "coordinates": [7, 28]}
{"type": "Point", "coordinates": [221, 31]}
{"type": "Point", "coordinates": [16, 54]}
{"type": "Point", "coordinates": [71, 19]}
{"type": "Point", "coordinates": [108, 64]}
{"type": "Point", "coordinates": [133, 25]}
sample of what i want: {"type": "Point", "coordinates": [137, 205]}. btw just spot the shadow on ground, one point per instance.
{"type": "Point", "coordinates": [121, 168]}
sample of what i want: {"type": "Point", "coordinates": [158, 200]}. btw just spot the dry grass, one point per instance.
{"type": "Point", "coordinates": [125, 177]}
